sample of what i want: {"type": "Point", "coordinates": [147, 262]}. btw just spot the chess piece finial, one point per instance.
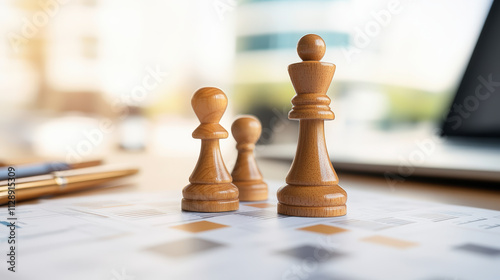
{"type": "Point", "coordinates": [211, 189]}
{"type": "Point", "coordinates": [311, 47]}
{"type": "Point", "coordinates": [246, 175]}
{"type": "Point", "coordinates": [312, 188]}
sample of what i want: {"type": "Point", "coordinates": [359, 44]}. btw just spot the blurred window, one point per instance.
{"type": "Point", "coordinates": [287, 40]}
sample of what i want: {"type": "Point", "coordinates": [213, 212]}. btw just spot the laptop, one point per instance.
{"type": "Point", "coordinates": [465, 147]}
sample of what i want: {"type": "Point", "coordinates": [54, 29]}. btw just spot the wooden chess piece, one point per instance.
{"type": "Point", "coordinates": [246, 175]}
{"type": "Point", "coordinates": [312, 188]}
{"type": "Point", "coordinates": [211, 189]}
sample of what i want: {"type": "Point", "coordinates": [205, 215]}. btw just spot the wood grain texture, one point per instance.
{"type": "Point", "coordinates": [312, 188]}
{"type": "Point", "coordinates": [246, 175]}
{"type": "Point", "coordinates": [311, 47]}
{"type": "Point", "coordinates": [211, 188]}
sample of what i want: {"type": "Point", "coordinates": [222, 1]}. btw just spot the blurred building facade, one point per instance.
{"type": "Point", "coordinates": [398, 62]}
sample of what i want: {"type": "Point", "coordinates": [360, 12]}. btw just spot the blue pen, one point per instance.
{"type": "Point", "coordinates": [34, 169]}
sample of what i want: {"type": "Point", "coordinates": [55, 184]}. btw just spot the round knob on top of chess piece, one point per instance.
{"type": "Point", "coordinates": [209, 104]}
{"type": "Point", "coordinates": [311, 47]}
{"type": "Point", "coordinates": [246, 130]}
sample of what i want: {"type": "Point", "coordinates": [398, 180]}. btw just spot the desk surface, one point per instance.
{"type": "Point", "coordinates": [164, 173]}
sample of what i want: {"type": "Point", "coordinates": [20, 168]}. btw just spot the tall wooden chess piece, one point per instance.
{"type": "Point", "coordinates": [211, 189]}
{"type": "Point", "coordinates": [312, 188]}
{"type": "Point", "coordinates": [246, 175]}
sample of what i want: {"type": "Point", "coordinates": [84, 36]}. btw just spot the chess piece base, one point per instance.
{"type": "Point", "coordinates": [220, 197]}
{"type": "Point", "coordinates": [312, 201]}
{"type": "Point", "coordinates": [209, 205]}
{"type": "Point", "coordinates": [252, 190]}
{"type": "Point", "coordinates": [309, 211]}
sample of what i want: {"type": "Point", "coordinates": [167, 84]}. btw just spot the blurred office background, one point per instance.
{"type": "Point", "coordinates": [84, 78]}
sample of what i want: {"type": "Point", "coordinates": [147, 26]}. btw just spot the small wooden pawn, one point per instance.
{"type": "Point", "coordinates": [211, 189]}
{"type": "Point", "coordinates": [246, 175]}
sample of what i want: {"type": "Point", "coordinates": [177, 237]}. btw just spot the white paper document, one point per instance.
{"type": "Point", "coordinates": [147, 236]}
